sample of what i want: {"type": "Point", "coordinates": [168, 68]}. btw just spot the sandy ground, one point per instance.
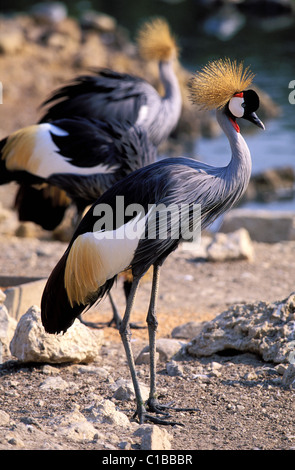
{"type": "Point", "coordinates": [242, 406]}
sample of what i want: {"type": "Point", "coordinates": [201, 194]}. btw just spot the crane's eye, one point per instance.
{"type": "Point", "coordinates": [251, 101]}
{"type": "Point", "coordinates": [236, 106]}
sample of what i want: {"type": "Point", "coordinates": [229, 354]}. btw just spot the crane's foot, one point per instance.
{"type": "Point", "coordinates": [116, 322]}
{"type": "Point", "coordinates": [153, 406]}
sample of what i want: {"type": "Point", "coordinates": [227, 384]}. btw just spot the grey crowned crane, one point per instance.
{"type": "Point", "coordinates": [96, 255]}
{"type": "Point", "coordinates": [113, 96]}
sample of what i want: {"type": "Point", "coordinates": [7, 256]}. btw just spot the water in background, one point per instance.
{"type": "Point", "coordinates": [207, 32]}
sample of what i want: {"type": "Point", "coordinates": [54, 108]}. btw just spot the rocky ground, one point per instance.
{"type": "Point", "coordinates": [241, 401]}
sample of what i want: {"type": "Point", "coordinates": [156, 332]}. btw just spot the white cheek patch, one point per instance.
{"type": "Point", "coordinates": [235, 106]}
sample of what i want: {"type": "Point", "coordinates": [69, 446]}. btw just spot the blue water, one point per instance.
{"type": "Point", "coordinates": [272, 148]}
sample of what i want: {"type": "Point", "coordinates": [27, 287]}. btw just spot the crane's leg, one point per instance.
{"type": "Point", "coordinates": [116, 318]}
{"type": "Point", "coordinates": [152, 329]}
{"type": "Point", "coordinates": [152, 404]}
{"type": "Point", "coordinates": [125, 336]}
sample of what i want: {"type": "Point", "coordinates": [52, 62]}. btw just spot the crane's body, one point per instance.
{"type": "Point", "coordinates": [95, 257]}
{"type": "Point", "coordinates": [175, 181]}
{"type": "Point", "coordinates": [112, 97]}
{"type": "Point", "coordinates": [83, 157]}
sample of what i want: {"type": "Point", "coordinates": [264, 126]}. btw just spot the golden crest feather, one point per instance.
{"type": "Point", "coordinates": [214, 85]}
{"type": "Point", "coordinates": [156, 42]}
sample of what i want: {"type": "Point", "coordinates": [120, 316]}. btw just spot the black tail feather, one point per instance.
{"type": "Point", "coordinates": [5, 175]}
{"type": "Point", "coordinates": [56, 312]}
{"type": "Point", "coordinates": [36, 205]}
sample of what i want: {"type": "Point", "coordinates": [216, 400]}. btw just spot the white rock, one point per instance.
{"type": "Point", "coordinates": [144, 358]}
{"type": "Point", "coordinates": [74, 416]}
{"type": "Point", "coordinates": [80, 431]}
{"type": "Point", "coordinates": [266, 329]}
{"type": "Point", "coordinates": [74, 426]}
{"type": "Point", "coordinates": [188, 330]}
{"type": "Point", "coordinates": [4, 418]}
{"type": "Point", "coordinates": [153, 437]}
{"type": "Point", "coordinates": [31, 343]}
{"type": "Point", "coordinates": [106, 412]}
{"type": "Point", "coordinates": [54, 383]}
{"type": "Point", "coordinates": [174, 369]}
{"type": "Point", "coordinates": [7, 327]}
{"type": "Point", "coordinates": [289, 376]}
{"type": "Point", "coordinates": [262, 225]}
{"type": "Point", "coordinates": [232, 246]}
{"type": "Point", "coordinates": [2, 297]}
{"type": "Point", "coordinates": [101, 372]}
{"type": "Point", "coordinates": [124, 390]}
{"type": "Point", "coordinates": [166, 348]}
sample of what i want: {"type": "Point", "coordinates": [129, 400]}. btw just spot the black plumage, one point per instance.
{"type": "Point", "coordinates": [96, 154]}
{"type": "Point", "coordinates": [104, 95]}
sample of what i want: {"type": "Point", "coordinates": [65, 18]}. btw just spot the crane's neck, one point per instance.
{"type": "Point", "coordinates": [238, 171]}
{"type": "Point", "coordinates": [172, 99]}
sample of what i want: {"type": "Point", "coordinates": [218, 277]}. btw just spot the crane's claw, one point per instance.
{"type": "Point", "coordinates": [153, 406]}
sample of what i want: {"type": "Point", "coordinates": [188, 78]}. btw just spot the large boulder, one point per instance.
{"type": "Point", "coordinates": [266, 329]}
{"type": "Point", "coordinates": [262, 225]}
{"type": "Point", "coordinates": [31, 343]}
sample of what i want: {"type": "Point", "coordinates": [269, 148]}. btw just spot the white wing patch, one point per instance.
{"type": "Point", "coordinates": [143, 112]}
{"type": "Point", "coordinates": [96, 257]}
{"type": "Point", "coordinates": [32, 149]}
{"type": "Point", "coordinates": [51, 162]}
{"type": "Point", "coordinates": [117, 247]}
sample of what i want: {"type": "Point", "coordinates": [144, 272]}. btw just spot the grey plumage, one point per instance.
{"type": "Point", "coordinates": [170, 181]}
{"type": "Point", "coordinates": [111, 95]}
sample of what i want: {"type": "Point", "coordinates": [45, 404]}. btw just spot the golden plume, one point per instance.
{"type": "Point", "coordinates": [58, 196]}
{"type": "Point", "coordinates": [18, 149]}
{"type": "Point", "coordinates": [214, 85]}
{"type": "Point", "coordinates": [84, 272]}
{"type": "Point", "coordinates": [156, 42]}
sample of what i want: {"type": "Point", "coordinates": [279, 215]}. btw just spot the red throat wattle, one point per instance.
{"type": "Point", "coordinates": [235, 124]}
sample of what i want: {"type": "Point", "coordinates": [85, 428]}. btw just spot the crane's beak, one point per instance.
{"type": "Point", "coordinates": [255, 119]}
